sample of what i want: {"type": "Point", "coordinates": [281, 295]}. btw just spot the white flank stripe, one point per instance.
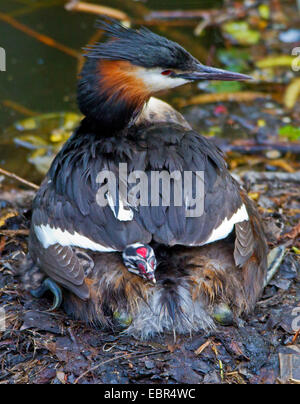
{"type": "Point", "coordinates": [124, 214]}
{"type": "Point", "coordinates": [226, 226]}
{"type": "Point", "coordinates": [48, 236]}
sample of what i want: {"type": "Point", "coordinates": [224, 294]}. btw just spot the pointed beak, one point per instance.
{"type": "Point", "coordinates": [151, 278]}
{"type": "Point", "coordinates": [150, 275]}
{"type": "Point", "coordinates": [203, 72]}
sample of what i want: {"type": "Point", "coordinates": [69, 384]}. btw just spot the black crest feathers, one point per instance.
{"type": "Point", "coordinates": [141, 47]}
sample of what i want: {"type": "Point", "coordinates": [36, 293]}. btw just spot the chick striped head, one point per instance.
{"type": "Point", "coordinates": [140, 260]}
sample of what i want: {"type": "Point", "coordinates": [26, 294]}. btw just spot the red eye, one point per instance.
{"type": "Point", "coordinates": [167, 72]}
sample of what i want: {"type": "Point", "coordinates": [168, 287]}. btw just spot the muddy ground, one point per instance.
{"type": "Point", "coordinates": [40, 347]}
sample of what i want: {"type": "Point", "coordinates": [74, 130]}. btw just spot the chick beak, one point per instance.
{"type": "Point", "coordinates": [203, 72]}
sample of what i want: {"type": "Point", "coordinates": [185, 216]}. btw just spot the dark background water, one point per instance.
{"type": "Point", "coordinates": [42, 78]}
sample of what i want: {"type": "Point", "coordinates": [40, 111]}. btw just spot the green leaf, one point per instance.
{"type": "Point", "coordinates": [290, 132]}
{"type": "Point", "coordinates": [241, 32]}
{"type": "Point", "coordinates": [236, 60]}
{"type": "Point", "coordinates": [264, 11]}
{"type": "Point", "coordinates": [225, 86]}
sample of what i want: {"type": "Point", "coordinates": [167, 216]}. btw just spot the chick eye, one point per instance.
{"type": "Point", "coordinates": [167, 72]}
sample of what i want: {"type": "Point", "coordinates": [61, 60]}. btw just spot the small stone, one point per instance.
{"type": "Point", "coordinates": [290, 36]}
{"type": "Point", "coordinates": [149, 364]}
{"type": "Point", "coordinates": [212, 378]}
{"type": "Point", "coordinates": [273, 154]}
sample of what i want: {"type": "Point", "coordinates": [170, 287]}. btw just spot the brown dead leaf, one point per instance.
{"type": "Point", "coordinates": [61, 377]}
{"type": "Point", "coordinates": [292, 93]}
{"type": "Point", "coordinates": [50, 346]}
{"type": "Point", "coordinates": [202, 347]}
{"type": "Point", "coordinates": [293, 233]}
{"type": "Point", "coordinates": [282, 164]}
{"type": "Point", "coordinates": [236, 348]}
{"type": "Point", "coordinates": [289, 368]}
{"type": "Point", "coordinates": [2, 244]}
{"type": "Point", "coordinates": [7, 216]}
{"type": "Point", "coordinates": [172, 347]}
{"type": "Point", "coordinates": [254, 195]}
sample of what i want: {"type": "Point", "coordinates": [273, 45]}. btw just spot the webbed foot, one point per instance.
{"type": "Point", "coordinates": [52, 286]}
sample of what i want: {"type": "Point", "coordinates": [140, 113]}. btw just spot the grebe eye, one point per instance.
{"type": "Point", "coordinates": [167, 72]}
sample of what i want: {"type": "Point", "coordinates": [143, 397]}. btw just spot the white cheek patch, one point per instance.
{"type": "Point", "coordinates": [226, 226]}
{"type": "Point", "coordinates": [155, 81]}
{"type": "Point", "coordinates": [48, 236]}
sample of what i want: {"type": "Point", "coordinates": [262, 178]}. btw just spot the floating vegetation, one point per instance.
{"type": "Point", "coordinates": [40, 137]}
{"type": "Point", "coordinates": [241, 33]}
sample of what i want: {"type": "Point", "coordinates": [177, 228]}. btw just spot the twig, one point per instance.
{"type": "Point", "coordinates": [201, 27]}
{"type": "Point", "coordinates": [215, 350]}
{"type": "Point", "coordinates": [75, 5]}
{"type": "Point", "coordinates": [275, 258]}
{"type": "Point", "coordinates": [40, 37]}
{"type": "Point", "coordinates": [19, 108]}
{"type": "Point", "coordinates": [100, 364]}
{"type": "Point", "coordinates": [252, 177]}
{"type": "Point", "coordinates": [210, 17]}
{"type": "Point", "coordinates": [202, 347]}
{"type": "Point", "coordinates": [295, 337]}
{"type": "Point", "coordinates": [178, 14]}
{"type": "Point", "coordinates": [13, 233]}
{"type": "Point", "coordinates": [239, 96]}
{"type": "Point", "coordinates": [115, 358]}
{"type": "Point", "coordinates": [249, 147]}
{"type": "Point", "coordinates": [191, 14]}
{"type": "Point", "coordinates": [165, 23]}
{"type": "Point", "coordinates": [16, 177]}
